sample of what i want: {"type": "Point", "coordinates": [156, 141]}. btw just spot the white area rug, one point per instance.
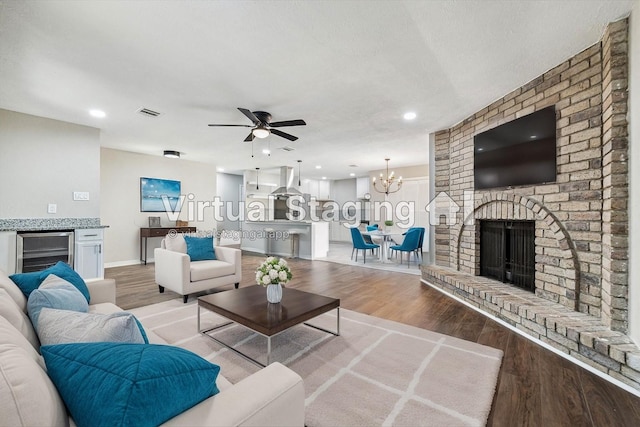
{"type": "Point", "coordinates": [341, 253]}
{"type": "Point", "coordinates": [377, 372]}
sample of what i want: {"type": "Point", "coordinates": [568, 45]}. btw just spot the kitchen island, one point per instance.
{"type": "Point", "coordinates": [313, 238]}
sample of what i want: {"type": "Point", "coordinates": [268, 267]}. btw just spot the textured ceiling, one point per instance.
{"type": "Point", "coordinates": [351, 69]}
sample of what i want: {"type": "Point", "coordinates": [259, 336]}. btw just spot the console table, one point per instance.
{"type": "Point", "coordinates": [147, 232]}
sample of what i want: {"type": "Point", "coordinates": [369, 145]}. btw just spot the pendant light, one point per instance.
{"type": "Point", "coordinates": [299, 184]}
{"type": "Point", "coordinates": [257, 184]}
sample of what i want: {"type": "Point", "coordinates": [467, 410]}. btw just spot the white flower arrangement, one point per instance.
{"type": "Point", "coordinates": [273, 271]}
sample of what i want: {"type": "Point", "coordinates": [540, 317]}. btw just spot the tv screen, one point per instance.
{"type": "Point", "coordinates": [521, 152]}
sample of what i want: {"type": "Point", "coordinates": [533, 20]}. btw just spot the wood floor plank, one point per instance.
{"type": "Point", "coordinates": [535, 386]}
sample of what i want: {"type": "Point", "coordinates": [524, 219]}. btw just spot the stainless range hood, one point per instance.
{"type": "Point", "coordinates": [287, 176]}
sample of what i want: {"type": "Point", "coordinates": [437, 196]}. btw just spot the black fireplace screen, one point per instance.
{"type": "Point", "coordinates": [507, 252]}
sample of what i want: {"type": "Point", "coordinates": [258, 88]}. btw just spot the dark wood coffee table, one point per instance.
{"type": "Point", "coordinates": [248, 307]}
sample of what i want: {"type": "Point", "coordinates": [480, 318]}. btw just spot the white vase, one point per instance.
{"type": "Point", "coordinates": [274, 293]}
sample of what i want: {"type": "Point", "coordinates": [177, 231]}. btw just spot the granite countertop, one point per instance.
{"type": "Point", "coordinates": [45, 224]}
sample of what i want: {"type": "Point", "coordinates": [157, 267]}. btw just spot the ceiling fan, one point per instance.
{"type": "Point", "coordinates": [262, 125]}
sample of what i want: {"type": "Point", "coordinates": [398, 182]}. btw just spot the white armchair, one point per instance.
{"type": "Point", "coordinates": [175, 271]}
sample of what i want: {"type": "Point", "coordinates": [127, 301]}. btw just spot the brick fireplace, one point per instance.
{"type": "Point", "coordinates": [579, 304]}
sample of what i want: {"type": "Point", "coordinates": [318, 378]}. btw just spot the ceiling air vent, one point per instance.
{"type": "Point", "coordinates": [287, 148]}
{"type": "Point", "coordinates": [147, 112]}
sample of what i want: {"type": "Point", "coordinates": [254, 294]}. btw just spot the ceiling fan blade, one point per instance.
{"type": "Point", "coordinates": [250, 115]}
{"type": "Point", "coordinates": [283, 135]}
{"type": "Point", "coordinates": [249, 138]}
{"type": "Point", "coordinates": [298, 122]}
{"type": "Point", "coordinates": [240, 126]}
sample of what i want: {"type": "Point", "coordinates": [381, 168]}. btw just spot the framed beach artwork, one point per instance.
{"type": "Point", "coordinates": [159, 195]}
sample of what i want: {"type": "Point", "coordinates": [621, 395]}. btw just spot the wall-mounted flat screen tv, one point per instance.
{"type": "Point", "coordinates": [159, 195]}
{"type": "Point", "coordinates": [521, 152]}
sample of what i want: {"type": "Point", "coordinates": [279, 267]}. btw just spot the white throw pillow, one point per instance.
{"type": "Point", "coordinates": [175, 243]}
{"type": "Point", "coordinates": [64, 327]}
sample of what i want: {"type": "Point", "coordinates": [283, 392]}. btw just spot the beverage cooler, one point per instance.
{"type": "Point", "coordinates": [36, 251]}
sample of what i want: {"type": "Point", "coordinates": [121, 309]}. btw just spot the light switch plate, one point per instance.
{"type": "Point", "coordinates": [52, 208]}
{"type": "Point", "coordinates": [81, 195]}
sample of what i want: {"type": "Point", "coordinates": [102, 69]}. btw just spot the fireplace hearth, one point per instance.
{"type": "Point", "coordinates": [507, 252]}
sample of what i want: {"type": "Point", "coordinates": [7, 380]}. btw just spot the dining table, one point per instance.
{"type": "Point", "coordinates": [385, 242]}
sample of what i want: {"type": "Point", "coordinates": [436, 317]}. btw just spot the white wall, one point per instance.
{"type": "Point", "coordinates": [634, 173]}
{"type": "Point", "coordinates": [120, 173]}
{"type": "Point", "coordinates": [44, 161]}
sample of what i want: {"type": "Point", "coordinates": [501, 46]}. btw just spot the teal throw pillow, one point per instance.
{"type": "Point", "coordinates": [200, 248]}
{"type": "Point", "coordinates": [61, 295]}
{"type": "Point", "coordinates": [64, 271]}
{"type": "Point", "coordinates": [120, 384]}
{"type": "Point", "coordinates": [372, 227]}
{"type": "Point", "coordinates": [64, 327]}
{"type": "Point", "coordinates": [27, 282]}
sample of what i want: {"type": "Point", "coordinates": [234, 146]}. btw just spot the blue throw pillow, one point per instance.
{"type": "Point", "coordinates": [27, 282]}
{"type": "Point", "coordinates": [61, 295]}
{"type": "Point", "coordinates": [122, 384]}
{"type": "Point", "coordinates": [372, 227]}
{"type": "Point", "coordinates": [200, 248]}
{"type": "Point", "coordinates": [64, 271]}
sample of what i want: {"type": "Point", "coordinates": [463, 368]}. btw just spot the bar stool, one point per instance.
{"type": "Point", "coordinates": [294, 235]}
{"type": "Point", "coordinates": [271, 233]}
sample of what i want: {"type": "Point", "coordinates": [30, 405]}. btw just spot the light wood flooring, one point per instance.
{"type": "Point", "coordinates": [536, 387]}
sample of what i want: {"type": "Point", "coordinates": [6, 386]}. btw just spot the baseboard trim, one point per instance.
{"type": "Point", "coordinates": [125, 263]}
{"type": "Point", "coordinates": [543, 344]}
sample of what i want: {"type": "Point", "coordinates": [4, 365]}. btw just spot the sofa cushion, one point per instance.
{"type": "Point", "coordinates": [54, 293]}
{"type": "Point", "coordinates": [12, 289]}
{"type": "Point", "coordinates": [200, 248]}
{"type": "Point", "coordinates": [64, 271]}
{"type": "Point", "coordinates": [10, 335]}
{"type": "Point", "coordinates": [29, 398]}
{"type": "Point", "coordinates": [63, 326]}
{"type": "Point", "coordinates": [12, 313]}
{"type": "Point", "coordinates": [203, 270]}
{"type": "Point", "coordinates": [175, 243]}
{"type": "Point", "coordinates": [128, 384]}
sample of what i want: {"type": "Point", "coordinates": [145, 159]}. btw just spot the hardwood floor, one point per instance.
{"type": "Point", "coordinates": [536, 387]}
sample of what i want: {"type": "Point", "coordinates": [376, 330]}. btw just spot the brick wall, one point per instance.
{"type": "Point", "coordinates": [581, 219]}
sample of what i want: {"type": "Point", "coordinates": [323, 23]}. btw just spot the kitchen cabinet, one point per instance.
{"type": "Point", "coordinates": [362, 187]}
{"type": "Point", "coordinates": [324, 190]}
{"type": "Point", "coordinates": [89, 254]}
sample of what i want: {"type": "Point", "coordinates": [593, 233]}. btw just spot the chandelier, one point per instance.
{"type": "Point", "coordinates": [387, 184]}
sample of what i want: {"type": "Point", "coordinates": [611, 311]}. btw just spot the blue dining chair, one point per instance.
{"type": "Point", "coordinates": [360, 244]}
{"type": "Point", "coordinates": [409, 244]}
{"type": "Point", "coordinates": [367, 238]}
{"type": "Point", "coordinates": [418, 250]}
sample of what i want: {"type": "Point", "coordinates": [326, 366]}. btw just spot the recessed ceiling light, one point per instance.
{"type": "Point", "coordinates": [409, 115]}
{"type": "Point", "coordinates": [352, 174]}
{"type": "Point", "coordinates": [324, 177]}
{"type": "Point", "coordinates": [318, 167]}
{"type": "Point", "coordinates": [220, 169]}
{"type": "Point", "coordinates": [172, 154]}
{"type": "Point", "coordinates": [98, 113]}
{"type": "Point", "coordinates": [266, 151]}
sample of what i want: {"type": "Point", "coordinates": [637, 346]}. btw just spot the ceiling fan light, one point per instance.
{"type": "Point", "coordinates": [260, 132]}
{"type": "Point", "coordinates": [172, 154]}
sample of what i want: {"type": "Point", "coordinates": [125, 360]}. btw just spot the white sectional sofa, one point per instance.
{"type": "Point", "coordinates": [273, 396]}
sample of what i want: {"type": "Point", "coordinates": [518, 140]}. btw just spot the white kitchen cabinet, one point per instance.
{"type": "Point", "coordinates": [8, 251]}
{"type": "Point", "coordinates": [324, 190]}
{"type": "Point", "coordinates": [362, 187]}
{"type": "Point", "coordinates": [89, 253]}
